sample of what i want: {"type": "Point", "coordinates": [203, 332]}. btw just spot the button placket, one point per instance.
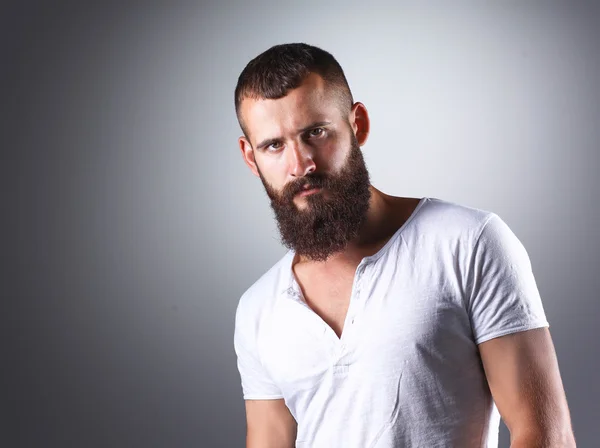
{"type": "Point", "coordinates": [356, 294]}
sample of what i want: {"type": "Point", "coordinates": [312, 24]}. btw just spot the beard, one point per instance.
{"type": "Point", "coordinates": [332, 217]}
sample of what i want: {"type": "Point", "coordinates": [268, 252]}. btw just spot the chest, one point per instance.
{"type": "Point", "coordinates": [328, 296]}
{"type": "Point", "coordinates": [387, 328]}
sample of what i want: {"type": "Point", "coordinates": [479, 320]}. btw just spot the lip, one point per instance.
{"type": "Point", "coordinates": [308, 192]}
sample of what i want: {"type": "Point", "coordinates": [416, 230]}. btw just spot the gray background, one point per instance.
{"type": "Point", "coordinates": [131, 225]}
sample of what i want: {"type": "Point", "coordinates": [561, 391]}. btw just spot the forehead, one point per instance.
{"type": "Point", "coordinates": [312, 101]}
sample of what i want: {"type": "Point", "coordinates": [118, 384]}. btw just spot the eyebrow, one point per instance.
{"type": "Point", "coordinates": [270, 141]}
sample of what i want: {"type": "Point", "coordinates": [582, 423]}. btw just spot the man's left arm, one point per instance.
{"type": "Point", "coordinates": [523, 376]}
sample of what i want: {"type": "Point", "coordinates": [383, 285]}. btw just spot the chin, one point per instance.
{"type": "Point", "coordinates": [301, 204]}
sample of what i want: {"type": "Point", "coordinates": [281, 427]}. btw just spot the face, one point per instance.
{"type": "Point", "coordinates": [306, 151]}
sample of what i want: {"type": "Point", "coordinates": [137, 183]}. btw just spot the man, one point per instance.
{"type": "Point", "coordinates": [391, 321]}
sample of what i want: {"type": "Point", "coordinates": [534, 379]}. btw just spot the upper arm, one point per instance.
{"type": "Point", "coordinates": [523, 376]}
{"type": "Point", "coordinates": [269, 424]}
{"type": "Point", "coordinates": [256, 381]}
{"type": "Point", "coordinates": [510, 327]}
{"type": "Point", "coordinates": [269, 421]}
{"type": "Point", "coordinates": [502, 294]}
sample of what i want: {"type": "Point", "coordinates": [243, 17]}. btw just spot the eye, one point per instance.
{"type": "Point", "coordinates": [275, 146]}
{"type": "Point", "coordinates": [316, 132]}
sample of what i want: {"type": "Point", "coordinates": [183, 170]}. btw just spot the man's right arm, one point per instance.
{"type": "Point", "coordinates": [269, 424]}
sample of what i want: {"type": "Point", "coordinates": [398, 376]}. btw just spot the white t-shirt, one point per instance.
{"type": "Point", "coordinates": [406, 371]}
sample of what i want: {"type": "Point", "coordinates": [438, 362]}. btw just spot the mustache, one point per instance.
{"type": "Point", "coordinates": [299, 185]}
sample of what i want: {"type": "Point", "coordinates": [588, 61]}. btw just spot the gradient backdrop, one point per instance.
{"type": "Point", "coordinates": [131, 225]}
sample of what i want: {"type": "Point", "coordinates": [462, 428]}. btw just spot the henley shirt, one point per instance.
{"type": "Point", "coordinates": [406, 371]}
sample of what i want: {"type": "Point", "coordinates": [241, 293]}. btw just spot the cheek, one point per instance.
{"type": "Point", "coordinates": [333, 157]}
{"type": "Point", "coordinates": [273, 170]}
{"type": "Point", "coordinates": [333, 152]}
{"type": "Point", "coordinates": [339, 159]}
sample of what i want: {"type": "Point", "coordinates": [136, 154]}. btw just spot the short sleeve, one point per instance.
{"type": "Point", "coordinates": [503, 296]}
{"type": "Point", "coordinates": [256, 383]}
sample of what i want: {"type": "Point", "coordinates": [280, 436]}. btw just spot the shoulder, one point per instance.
{"type": "Point", "coordinates": [443, 220]}
{"type": "Point", "coordinates": [261, 297]}
{"type": "Point", "coordinates": [446, 213]}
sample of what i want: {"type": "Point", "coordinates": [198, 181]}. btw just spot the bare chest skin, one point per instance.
{"type": "Point", "coordinates": [328, 294]}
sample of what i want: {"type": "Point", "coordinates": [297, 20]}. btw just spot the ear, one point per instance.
{"type": "Point", "coordinates": [360, 122]}
{"type": "Point", "coordinates": [248, 154]}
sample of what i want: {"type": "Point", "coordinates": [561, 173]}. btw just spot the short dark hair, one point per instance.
{"type": "Point", "coordinates": [281, 68]}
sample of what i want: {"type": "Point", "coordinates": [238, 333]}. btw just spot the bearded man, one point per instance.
{"type": "Point", "coordinates": [391, 321]}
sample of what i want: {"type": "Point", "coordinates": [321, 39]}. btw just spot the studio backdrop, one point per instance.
{"type": "Point", "coordinates": [131, 225]}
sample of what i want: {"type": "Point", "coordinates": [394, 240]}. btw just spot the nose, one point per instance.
{"type": "Point", "coordinates": [301, 163]}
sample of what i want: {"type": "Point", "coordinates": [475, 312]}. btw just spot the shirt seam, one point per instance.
{"type": "Point", "coordinates": [531, 325]}
{"type": "Point", "coordinates": [470, 268]}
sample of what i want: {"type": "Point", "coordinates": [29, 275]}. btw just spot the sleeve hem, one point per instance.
{"type": "Point", "coordinates": [262, 397]}
{"type": "Point", "coordinates": [530, 326]}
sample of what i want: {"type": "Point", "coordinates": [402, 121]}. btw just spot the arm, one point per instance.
{"type": "Point", "coordinates": [270, 424]}
{"type": "Point", "coordinates": [523, 375]}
